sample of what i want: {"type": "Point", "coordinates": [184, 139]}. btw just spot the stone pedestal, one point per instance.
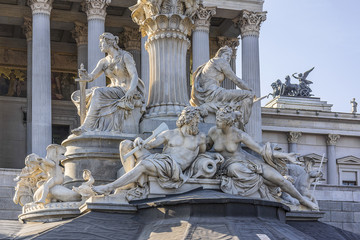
{"type": "Point", "coordinates": [299, 103]}
{"type": "Point", "coordinates": [95, 151]}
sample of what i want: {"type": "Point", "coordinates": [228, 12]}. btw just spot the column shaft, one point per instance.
{"type": "Point", "coordinates": [96, 27]}
{"type": "Point", "coordinates": [82, 52]}
{"type": "Point", "coordinates": [200, 48]}
{"type": "Point", "coordinates": [29, 98]}
{"type": "Point", "coordinates": [41, 84]}
{"type": "Point", "coordinates": [137, 57]}
{"type": "Point", "coordinates": [251, 74]}
{"type": "Point", "coordinates": [293, 147]}
{"type": "Point", "coordinates": [332, 174]}
{"type": "Point", "coordinates": [145, 70]}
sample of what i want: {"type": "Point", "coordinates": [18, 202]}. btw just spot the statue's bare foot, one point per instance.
{"type": "Point", "coordinates": [78, 131]}
{"type": "Point", "coordinates": [310, 205]}
{"type": "Point", "coordinates": [102, 189]}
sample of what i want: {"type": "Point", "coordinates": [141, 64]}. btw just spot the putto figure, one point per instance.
{"type": "Point", "coordinates": [208, 94]}
{"type": "Point", "coordinates": [181, 146]}
{"type": "Point", "coordinates": [108, 107]}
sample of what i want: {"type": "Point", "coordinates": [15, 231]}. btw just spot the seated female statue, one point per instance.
{"type": "Point", "coordinates": [247, 173]}
{"type": "Point", "coordinates": [108, 107]}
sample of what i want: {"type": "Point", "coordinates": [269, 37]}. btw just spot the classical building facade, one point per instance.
{"type": "Point", "coordinates": [43, 43]}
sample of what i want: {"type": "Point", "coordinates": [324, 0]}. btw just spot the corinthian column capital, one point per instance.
{"type": "Point", "coordinates": [80, 33]}
{"type": "Point", "coordinates": [40, 6]}
{"type": "Point", "coordinates": [202, 18]}
{"type": "Point", "coordinates": [95, 9]}
{"type": "Point", "coordinates": [132, 38]}
{"type": "Point", "coordinates": [332, 139]}
{"type": "Point", "coordinates": [230, 42]}
{"type": "Point", "coordinates": [27, 28]}
{"type": "Point", "coordinates": [250, 22]}
{"type": "Point", "coordinates": [293, 137]}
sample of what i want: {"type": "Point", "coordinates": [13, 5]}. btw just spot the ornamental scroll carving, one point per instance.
{"type": "Point", "coordinates": [80, 33]}
{"type": "Point", "coordinates": [250, 22]}
{"type": "Point", "coordinates": [293, 137]}
{"type": "Point", "coordinates": [202, 18]}
{"type": "Point", "coordinates": [332, 139]}
{"type": "Point", "coordinates": [95, 9]}
{"type": "Point", "coordinates": [40, 6]}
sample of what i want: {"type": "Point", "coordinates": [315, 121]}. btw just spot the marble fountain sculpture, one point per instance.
{"type": "Point", "coordinates": [108, 161]}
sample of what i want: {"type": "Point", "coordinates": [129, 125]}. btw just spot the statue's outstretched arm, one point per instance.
{"type": "Point", "coordinates": [249, 141]}
{"type": "Point", "coordinates": [131, 68]}
{"type": "Point", "coordinates": [229, 73]}
{"type": "Point", "coordinates": [160, 139]}
{"type": "Point", "coordinates": [98, 70]}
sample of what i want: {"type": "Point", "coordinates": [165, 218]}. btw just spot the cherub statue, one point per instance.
{"type": "Point", "coordinates": [85, 189]}
{"type": "Point", "coordinates": [51, 166]}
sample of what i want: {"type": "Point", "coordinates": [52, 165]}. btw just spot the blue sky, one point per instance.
{"type": "Point", "coordinates": [324, 34]}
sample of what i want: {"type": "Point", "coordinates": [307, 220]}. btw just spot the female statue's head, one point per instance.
{"type": "Point", "coordinates": [226, 117]}
{"type": "Point", "coordinates": [108, 40]}
{"type": "Point", "coordinates": [224, 52]}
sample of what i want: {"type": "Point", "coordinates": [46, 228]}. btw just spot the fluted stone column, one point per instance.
{"type": "Point", "coordinates": [293, 139]}
{"type": "Point", "coordinates": [200, 36]}
{"type": "Point", "coordinates": [145, 68]}
{"type": "Point", "coordinates": [41, 76]}
{"type": "Point", "coordinates": [96, 13]}
{"type": "Point", "coordinates": [27, 29]}
{"type": "Point", "coordinates": [133, 45]}
{"type": "Point", "coordinates": [332, 173]}
{"type": "Point", "coordinates": [249, 23]}
{"type": "Point", "coordinates": [233, 43]}
{"type": "Point", "coordinates": [167, 30]}
{"type": "Point", "coordinates": [81, 37]}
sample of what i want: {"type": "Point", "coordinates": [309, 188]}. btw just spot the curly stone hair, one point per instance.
{"type": "Point", "coordinates": [187, 115]}
{"type": "Point", "coordinates": [228, 115]}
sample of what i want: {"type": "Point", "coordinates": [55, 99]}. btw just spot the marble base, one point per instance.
{"type": "Point", "coordinates": [299, 103]}
{"type": "Point", "coordinates": [191, 184]}
{"type": "Point", "coordinates": [95, 151]}
{"type": "Point", "coordinates": [33, 212]}
{"type": "Point", "coordinates": [304, 215]}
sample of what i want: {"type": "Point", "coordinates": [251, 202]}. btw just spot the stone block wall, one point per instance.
{"type": "Point", "coordinates": [341, 205]}
{"type": "Point", "coordinates": [8, 209]}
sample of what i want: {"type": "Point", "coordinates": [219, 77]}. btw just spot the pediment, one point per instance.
{"type": "Point", "coordinates": [350, 160]}
{"type": "Point", "coordinates": [314, 156]}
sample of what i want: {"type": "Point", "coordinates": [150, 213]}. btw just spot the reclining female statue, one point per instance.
{"type": "Point", "coordinates": [245, 173]}
{"type": "Point", "coordinates": [108, 107]}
